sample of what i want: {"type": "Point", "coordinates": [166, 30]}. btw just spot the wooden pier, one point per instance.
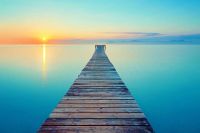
{"type": "Point", "coordinates": [97, 102]}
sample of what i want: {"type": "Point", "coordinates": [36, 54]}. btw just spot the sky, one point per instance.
{"type": "Point", "coordinates": [30, 21]}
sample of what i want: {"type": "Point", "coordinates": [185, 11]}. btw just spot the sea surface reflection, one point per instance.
{"type": "Point", "coordinates": [164, 79]}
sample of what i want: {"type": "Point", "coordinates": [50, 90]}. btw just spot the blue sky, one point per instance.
{"type": "Point", "coordinates": [94, 19]}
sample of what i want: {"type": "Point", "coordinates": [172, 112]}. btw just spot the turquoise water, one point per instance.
{"type": "Point", "coordinates": [164, 79]}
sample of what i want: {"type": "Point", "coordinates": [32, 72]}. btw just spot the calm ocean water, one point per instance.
{"type": "Point", "coordinates": [164, 79]}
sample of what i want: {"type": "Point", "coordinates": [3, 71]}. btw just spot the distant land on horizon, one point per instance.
{"type": "Point", "coordinates": [154, 38]}
{"type": "Point", "coordinates": [162, 39]}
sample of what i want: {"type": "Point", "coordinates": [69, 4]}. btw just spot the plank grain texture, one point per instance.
{"type": "Point", "coordinates": [97, 102]}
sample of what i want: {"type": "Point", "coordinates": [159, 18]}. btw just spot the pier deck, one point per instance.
{"type": "Point", "coordinates": [97, 102]}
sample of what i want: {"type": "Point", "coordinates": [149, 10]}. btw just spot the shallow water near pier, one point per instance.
{"type": "Point", "coordinates": [164, 79]}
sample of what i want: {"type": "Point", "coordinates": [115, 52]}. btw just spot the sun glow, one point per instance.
{"type": "Point", "coordinates": [44, 60]}
{"type": "Point", "coordinates": [44, 39]}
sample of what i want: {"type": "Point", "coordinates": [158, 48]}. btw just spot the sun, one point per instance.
{"type": "Point", "coordinates": [44, 38]}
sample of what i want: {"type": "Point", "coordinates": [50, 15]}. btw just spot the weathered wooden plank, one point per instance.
{"type": "Point", "coordinates": [97, 87]}
{"type": "Point", "coordinates": [98, 65]}
{"type": "Point", "coordinates": [98, 72]}
{"type": "Point", "coordinates": [102, 80]}
{"type": "Point", "coordinates": [97, 77]}
{"type": "Point", "coordinates": [96, 122]}
{"type": "Point", "coordinates": [108, 73]}
{"type": "Point", "coordinates": [98, 90]}
{"type": "Point", "coordinates": [96, 129]}
{"type": "Point", "coordinates": [98, 94]}
{"type": "Point", "coordinates": [90, 83]}
{"type": "Point", "coordinates": [98, 60]}
{"type": "Point", "coordinates": [97, 115]}
{"type": "Point", "coordinates": [97, 109]}
{"type": "Point", "coordinates": [98, 98]}
{"type": "Point", "coordinates": [98, 69]}
{"type": "Point", "coordinates": [98, 101]}
{"type": "Point", "coordinates": [108, 81]}
{"type": "Point", "coordinates": [82, 105]}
